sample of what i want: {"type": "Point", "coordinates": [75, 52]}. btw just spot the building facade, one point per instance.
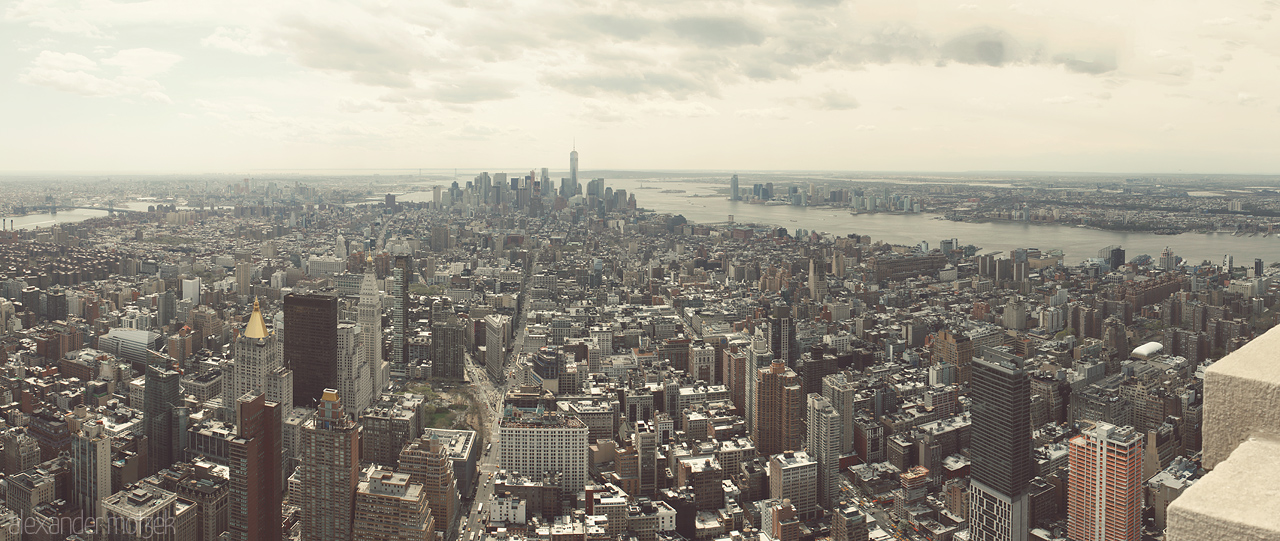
{"type": "Point", "coordinates": [91, 467]}
{"type": "Point", "coordinates": [1000, 448]}
{"type": "Point", "coordinates": [1104, 495]}
{"type": "Point", "coordinates": [330, 471]}
{"type": "Point", "coordinates": [311, 344]}
{"type": "Point", "coordinates": [779, 415]}
{"type": "Point", "coordinates": [535, 442]}
{"type": "Point", "coordinates": [391, 508]}
{"type": "Point", "coordinates": [427, 462]}
{"type": "Point", "coordinates": [823, 425]}
{"type": "Point", "coordinates": [254, 457]}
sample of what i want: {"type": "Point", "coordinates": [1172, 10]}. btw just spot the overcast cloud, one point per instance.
{"type": "Point", "coordinates": [240, 85]}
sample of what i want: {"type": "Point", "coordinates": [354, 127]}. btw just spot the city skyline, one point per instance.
{"type": "Point", "coordinates": [827, 270]}
{"type": "Point", "coordinates": [977, 86]}
{"type": "Point", "coordinates": [552, 357]}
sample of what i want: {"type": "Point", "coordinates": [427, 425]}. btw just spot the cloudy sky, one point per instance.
{"type": "Point", "coordinates": [236, 85]}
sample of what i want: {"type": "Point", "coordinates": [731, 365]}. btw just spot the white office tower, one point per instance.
{"type": "Point", "coordinates": [355, 378]}
{"type": "Point", "coordinates": [369, 317]}
{"type": "Point", "coordinates": [840, 392]}
{"type": "Point", "coordinates": [1168, 261]}
{"type": "Point", "coordinates": [191, 290]}
{"type": "Point", "coordinates": [535, 441]}
{"type": "Point", "coordinates": [340, 248]}
{"type": "Point", "coordinates": [823, 445]}
{"type": "Point", "coordinates": [257, 365]}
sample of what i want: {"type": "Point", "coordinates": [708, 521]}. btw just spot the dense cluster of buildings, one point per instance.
{"type": "Point", "coordinates": [244, 372]}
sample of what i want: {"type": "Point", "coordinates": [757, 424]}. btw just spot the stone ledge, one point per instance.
{"type": "Point", "coordinates": [1241, 393]}
{"type": "Point", "coordinates": [1237, 500]}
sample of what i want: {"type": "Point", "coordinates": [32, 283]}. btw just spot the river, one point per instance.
{"type": "Point", "coordinates": [1077, 243]}
{"type": "Point", "coordinates": [701, 203]}
{"type": "Point", "coordinates": [64, 216]}
{"type": "Point", "coordinates": [68, 215]}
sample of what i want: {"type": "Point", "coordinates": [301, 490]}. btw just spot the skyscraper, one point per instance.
{"type": "Point", "coordinates": [840, 392]}
{"type": "Point", "coordinates": [758, 356]}
{"type": "Point", "coordinates": [645, 441]}
{"type": "Point", "coordinates": [244, 278]}
{"type": "Point", "coordinates": [427, 462]}
{"type": "Point", "coordinates": [355, 380]}
{"type": "Point", "coordinates": [167, 307]}
{"type": "Point", "coordinates": [535, 442]}
{"type": "Point", "coordinates": [160, 397]}
{"type": "Point", "coordinates": [955, 349]}
{"type": "Point", "coordinates": [330, 471]}
{"type": "Point", "coordinates": [258, 367]}
{"type": "Point", "coordinates": [595, 187]}
{"type": "Point", "coordinates": [497, 337]}
{"type": "Point", "coordinates": [573, 173]}
{"type": "Point", "coordinates": [91, 467]}
{"type": "Point", "coordinates": [733, 189]}
{"type": "Point", "coordinates": [1113, 255]}
{"type": "Point", "coordinates": [448, 346]}
{"type": "Point", "coordinates": [369, 317]}
{"type": "Point", "coordinates": [823, 424]}
{"type": "Point", "coordinates": [1168, 261]}
{"type": "Point", "coordinates": [817, 278]}
{"type": "Point", "coordinates": [311, 344]}
{"type": "Point", "coordinates": [1104, 496]}
{"type": "Point", "coordinates": [254, 458]}
{"type": "Point", "coordinates": [402, 274]}
{"type": "Point", "coordinates": [779, 421]}
{"type": "Point", "coordinates": [782, 335]}
{"type": "Point", "coordinates": [1000, 448]}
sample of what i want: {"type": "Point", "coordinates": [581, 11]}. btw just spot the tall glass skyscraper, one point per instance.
{"type": "Point", "coordinates": [311, 344]}
{"type": "Point", "coordinates": [1001, 448]}
{"type": "Point", "coordinates": [573, 173]}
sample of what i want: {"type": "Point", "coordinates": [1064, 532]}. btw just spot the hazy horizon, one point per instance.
{"type": "Point", "coordinates": [835, 174]}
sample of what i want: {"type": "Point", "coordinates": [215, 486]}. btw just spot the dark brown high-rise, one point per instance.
{"type": "Point", "coordinates": [311, 345]}
{"type": "Point", "coordinates": [254, 457]}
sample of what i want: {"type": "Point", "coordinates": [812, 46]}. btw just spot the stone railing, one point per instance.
{"type": "Point", "coordinates": [1240, 497]}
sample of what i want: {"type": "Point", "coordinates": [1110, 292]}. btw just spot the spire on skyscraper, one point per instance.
{"type": "Point", "coordinates": [257, 328]}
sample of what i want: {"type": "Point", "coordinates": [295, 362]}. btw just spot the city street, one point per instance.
{"type": "Point", "coordinates": [491, 394]}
